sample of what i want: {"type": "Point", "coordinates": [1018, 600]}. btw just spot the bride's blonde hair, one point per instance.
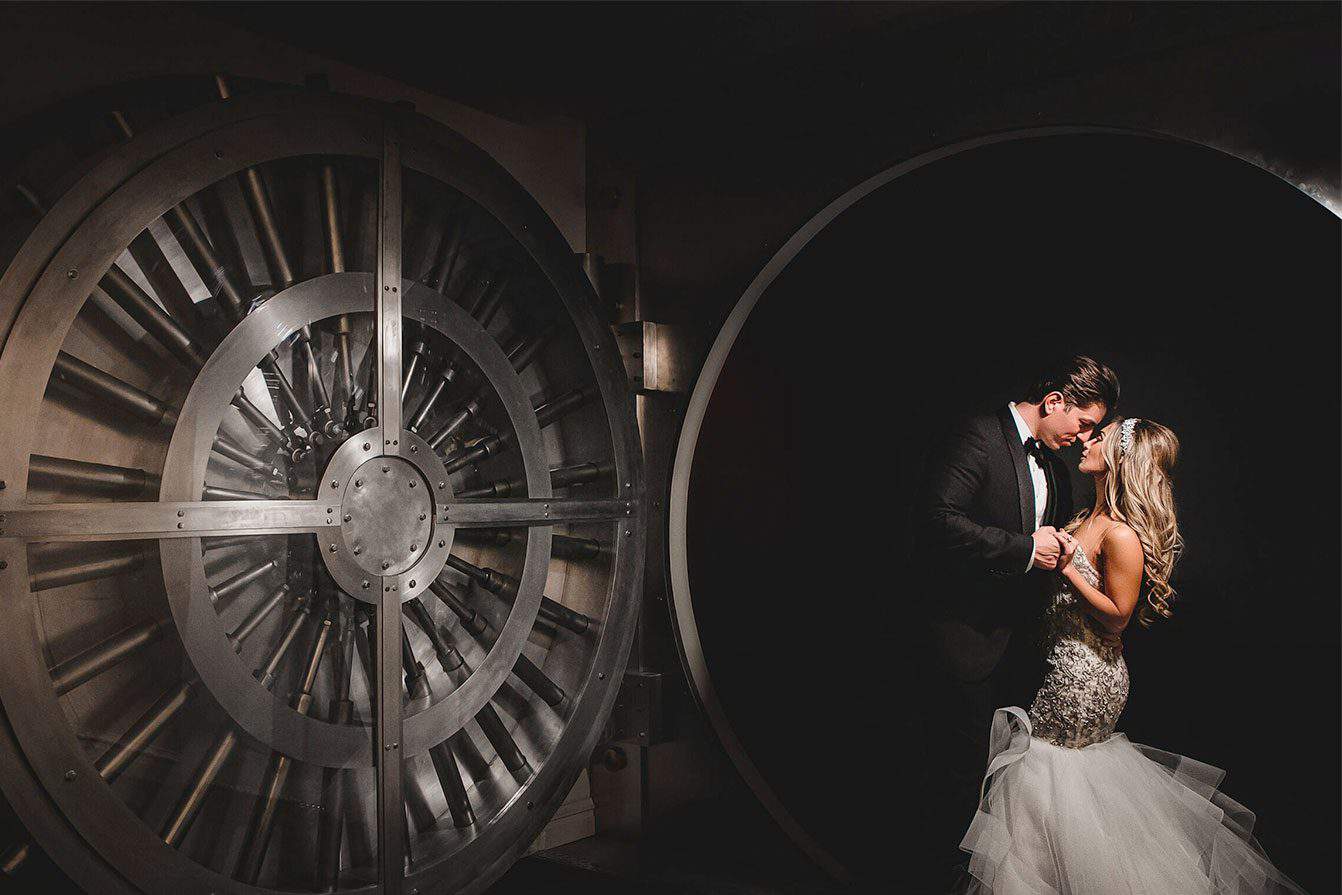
{"type": "Point", "coordinates": [1137, 492]}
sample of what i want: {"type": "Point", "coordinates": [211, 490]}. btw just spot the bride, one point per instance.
{"type": "Point", "coordinates": [1070, 806]}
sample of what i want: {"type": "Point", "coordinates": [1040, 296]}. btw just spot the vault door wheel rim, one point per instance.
{"type": "Point", "coordinates": [108, 845]}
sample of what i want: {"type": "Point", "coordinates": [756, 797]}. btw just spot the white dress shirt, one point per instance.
{"type": "Point", "coordinates": [1037, 477]}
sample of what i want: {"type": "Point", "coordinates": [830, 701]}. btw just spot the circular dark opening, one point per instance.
{"type": "Point", "coordinates": [1211, 287]}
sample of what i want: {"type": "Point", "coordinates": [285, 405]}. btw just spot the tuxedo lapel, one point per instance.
{"type": "Point", "coordinates": [1051, 465]}
{"type": "Point", "coordinates": [1024, 485]}
{"type": "Point", "coordinates": [1062, 499]}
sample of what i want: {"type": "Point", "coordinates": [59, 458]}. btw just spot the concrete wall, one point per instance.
{"type": "Point", "coordinates": [88, 48]}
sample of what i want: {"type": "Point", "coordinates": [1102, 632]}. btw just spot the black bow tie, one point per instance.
{"type": "Point", "coordinates": [1035, 448]}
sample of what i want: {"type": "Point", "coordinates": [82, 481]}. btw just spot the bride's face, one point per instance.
{"type": "Point", "coordinates": [1092, 456]}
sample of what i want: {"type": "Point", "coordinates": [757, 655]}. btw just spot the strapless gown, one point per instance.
{"type": "Point", "coordinates": [1071, 807]}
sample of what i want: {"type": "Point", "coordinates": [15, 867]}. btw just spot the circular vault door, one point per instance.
{"type": "Point", "coordinates": [320, 528]}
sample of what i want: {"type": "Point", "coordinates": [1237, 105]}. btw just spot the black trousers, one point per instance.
{"type": "Point", "coordinates": [958, 722]}
{"type": "Point", "coordinates": [957, 716]}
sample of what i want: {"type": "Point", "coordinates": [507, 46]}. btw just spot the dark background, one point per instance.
{"type": "Point", "coordinates": [1212, 288]}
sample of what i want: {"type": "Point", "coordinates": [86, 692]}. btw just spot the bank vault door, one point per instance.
{"type": "Point", "coordinates": [320, 530]}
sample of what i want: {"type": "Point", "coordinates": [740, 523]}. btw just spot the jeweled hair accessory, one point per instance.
{"type": "Point", "coordinates": [1125, 436]}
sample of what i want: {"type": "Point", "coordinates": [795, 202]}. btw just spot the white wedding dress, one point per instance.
{"type": "Point", "coordinates": [1073, 808]}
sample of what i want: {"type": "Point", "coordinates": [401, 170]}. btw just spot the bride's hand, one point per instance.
{"type": "Point", "coordinates": [1066, 549]}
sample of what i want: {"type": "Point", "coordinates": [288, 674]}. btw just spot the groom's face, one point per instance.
{"type": "Point", "coordinates": [1063, 424]}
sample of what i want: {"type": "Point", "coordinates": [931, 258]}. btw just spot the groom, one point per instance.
{"type": "Point", "coordinates": [992, 497]}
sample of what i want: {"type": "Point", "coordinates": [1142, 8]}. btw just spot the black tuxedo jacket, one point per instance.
{"type": "Point", "coordinates": [972, 532]}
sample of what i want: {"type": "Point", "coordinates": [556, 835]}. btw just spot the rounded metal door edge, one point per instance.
{"type": "Point", "coordinates": [681, 604]}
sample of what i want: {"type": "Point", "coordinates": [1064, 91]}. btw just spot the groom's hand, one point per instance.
{"type": "Point", "coordinates": [1046, 548]}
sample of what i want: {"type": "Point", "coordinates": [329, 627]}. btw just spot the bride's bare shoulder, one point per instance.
{"type": "Point", "coordinates": [1121, 539]}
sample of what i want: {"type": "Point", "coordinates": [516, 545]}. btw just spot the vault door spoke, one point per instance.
{"type": "Point", "coordinates": [390, 805]}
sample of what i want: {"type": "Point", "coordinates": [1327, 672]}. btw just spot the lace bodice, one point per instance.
{"type": "Point", "coordinates": [1086, 685]}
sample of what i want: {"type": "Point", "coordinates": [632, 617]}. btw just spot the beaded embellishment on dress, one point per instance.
{"type": "Point", "coordinates": [1086, 685]}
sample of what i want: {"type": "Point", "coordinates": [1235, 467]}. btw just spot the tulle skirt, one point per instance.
{"type": "Point", "coordinates": [1111, 817]}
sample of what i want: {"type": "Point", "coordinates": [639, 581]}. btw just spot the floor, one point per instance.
{"type": "Point", "coordinates": [715, 848]}
{"type": "Point", "coordinates": [726, 846]}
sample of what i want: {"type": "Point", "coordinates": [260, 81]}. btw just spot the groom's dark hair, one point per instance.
{"type": "Point", "coordinates": [1082, 380]}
